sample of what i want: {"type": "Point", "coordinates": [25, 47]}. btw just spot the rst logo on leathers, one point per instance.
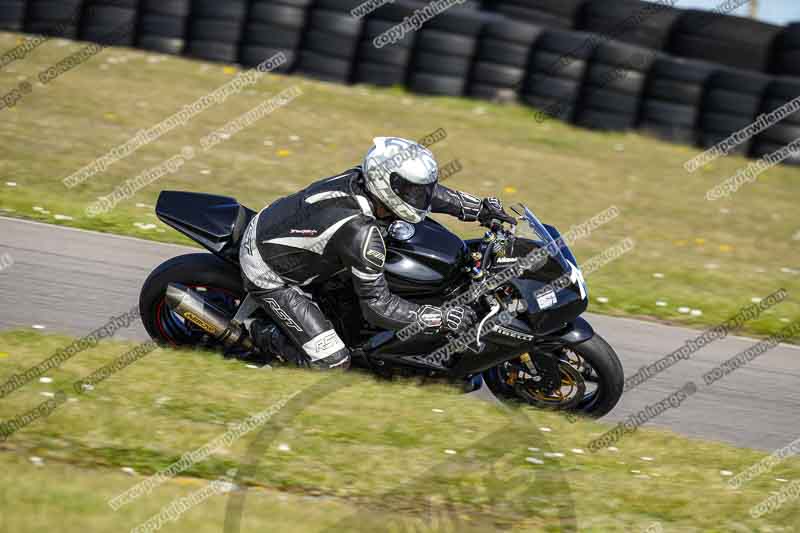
{"type": "Point", "coordinates": [282, 314]}
{"type": "Point", "coordinates": [326, 342]}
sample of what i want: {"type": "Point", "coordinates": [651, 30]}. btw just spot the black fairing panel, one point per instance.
{"type": "Point", "coordinates": [429, 262]}
{"type": "Point", "coordinates": [216, 222]}
{"type": "Point", "coordinates": [568, 307]}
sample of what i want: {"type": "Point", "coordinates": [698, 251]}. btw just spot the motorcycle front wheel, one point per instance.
{"type": "Point", "coordinates": [590, 374]}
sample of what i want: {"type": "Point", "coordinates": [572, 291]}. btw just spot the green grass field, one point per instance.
{"type": "Point", "coordinates": [690, 254]}
{"type": "Point", "coordinates": [352, 454]}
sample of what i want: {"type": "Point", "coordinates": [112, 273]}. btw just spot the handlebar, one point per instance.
{"type": "Point", "coordinates": [496, 234]}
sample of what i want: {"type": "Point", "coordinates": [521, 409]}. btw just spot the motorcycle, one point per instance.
{"type": "Point", "coordinates": [530, 344]}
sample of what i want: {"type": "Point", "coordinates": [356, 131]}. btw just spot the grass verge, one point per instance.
{"type": "Point", "coordinates": [370, 455]}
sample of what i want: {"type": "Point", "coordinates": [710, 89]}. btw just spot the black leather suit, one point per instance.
{"type": "Point", "coordinates": [311, 235]}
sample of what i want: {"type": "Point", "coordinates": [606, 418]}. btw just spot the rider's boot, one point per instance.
{"type": "Point", "coordinates": [271, 340]}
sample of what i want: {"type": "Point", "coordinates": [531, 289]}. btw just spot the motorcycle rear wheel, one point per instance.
{"type": "Point", "coordinates": [218, 281]}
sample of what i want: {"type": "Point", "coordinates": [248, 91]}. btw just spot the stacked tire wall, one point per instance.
{"type": "Point", "coordinates": [733, 41]}
{"type": "Point", "coordinates": [163, 25]}
{"type": "Point", "coordinates": [501, 62]}
{"type": "Point", "coordinates": [731, 102]}
{"type": "Point", "coordinates": [615, 81]}
{"type": "Point", "coordinates": [111, 22]}
{"type": "Point", "coordinates": [331, 41]}
{"type": "Point", "coordinates": [12, 15]}
{"type": "Point", "coordinates": [565, 14]}
{"type": "Point", "coordinates": [781, 94]}
{"type": "Point", "coordinates": [786, 58]}
{"type": "Point", "coordinates": [274, 27]}
{"type": "Point", "coordinates": [644, 24]}
{"type": "Point", "coordinates": [444, 52]}
{"type": "Point", "coordinates": [686, 76]}
{"type": "Point", "coordinates": [56, 18]}
{"type": "Point", "coordinates": [381, 65]}
{"type": "Point", "coordinates": [672, 98]}
{"type": "Point", "coordinates": [215, 29]}
{"type": "Point", "coordinates": [556, 71]}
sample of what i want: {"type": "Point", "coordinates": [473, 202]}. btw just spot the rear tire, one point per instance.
{"type": "Point", "coordinates": [201, 269]}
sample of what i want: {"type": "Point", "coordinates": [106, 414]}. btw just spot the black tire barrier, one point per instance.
{"type": "Point", "coordinates": [556, 71]}
{"type": "Point", "coordinates": [614, 83]}
{"type": "Point", "coordinates": [104, 22]}
{"type": "Point", "coordinates": [223, 31]}
{"type": "Point", "coordinates": [779, 92]}
{"type": "Point", "coordinates": [163, 25]}
{"type": "Point", "coordinates": [583, 77]}
{"type": "Point", "coordinates": [388, 65]}
{"type": "Point", "coordinates": [130, 4]}
{"type": "Point", "coordinates": [604, 120]}
{"type": "Point", "coordinates": [380, 74]}
{"type": "Point", "coordinates": [765, 148]}
{"type": "Point", "coordinates": [451, 38]}
{"type": "Point", "coordinates": [458, 20]}
{"type": "Point", "coordinates": [632, 21]}
{"type": "Point", "coordinates": [212, 51]}
{"type": "Point", "coordinates": [786, 58]}
{"type": "Point", "coordinates": [720, 115]}
{"type": "Point", "coordinates": [12, 15]}
{"type": "Point", "coordinates": [164, 45]}
{"type": "Point", "coordinates": [253, 55]}
{"type": "Point", "coordinates": [724, 39]}
{"type": "Point", "coordinates": [175, 8]}
{"type": "Point", "coordinates": [503, 54]}
{"type": "Point", "coordinates": [53, 18]}
{"type": "Point", "coordinates": [215, 29]}
{"type": "Point", "coordinates": [323, 67]}
{"type": "Point", "coordinates": [277, 15]}
{"type": "Point", "coordinates": [559, 14]}
{"type": "Point", "coordinates": [434, 84]}
{"type": "Point", "coordinates": [336, 22]}
{"type": "Point", "coordinates": [672, 98]}
{"type": "Point", "coordinates": [272, 27]}
{"type": "Point", "coordinates": [219, 9]}
{"type": "Point", "coordinates": [333, 37]}
{"type": "Point", "coordinates": [256, 33]}
{"type": "Point", "coordinates": [296, 3]}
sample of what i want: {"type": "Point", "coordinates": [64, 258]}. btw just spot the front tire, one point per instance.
{"type": "Point", "coordinates": [593, 361]}
{"type": "Point", "coordinates": [609, 374]}
{"type": "Point", "coordinates": [220, 282]}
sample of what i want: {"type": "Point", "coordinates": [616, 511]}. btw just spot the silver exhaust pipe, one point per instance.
{"type": "Point", "coordinates": [193, 307]}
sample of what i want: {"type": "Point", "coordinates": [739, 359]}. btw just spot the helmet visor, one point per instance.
{"type": "Point", "coordinates": [417, 195]}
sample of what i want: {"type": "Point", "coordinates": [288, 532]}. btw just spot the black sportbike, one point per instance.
{"type": "Point", "coordinates": [530, 343]}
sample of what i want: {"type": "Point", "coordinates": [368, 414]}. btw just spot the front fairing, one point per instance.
{"type": "Point", "coordinates": [555, 293]}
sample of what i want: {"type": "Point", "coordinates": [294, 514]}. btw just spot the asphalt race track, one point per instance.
{"type": "Point", "coordinates": [72, 281]}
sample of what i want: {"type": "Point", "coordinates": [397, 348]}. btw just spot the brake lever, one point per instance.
{"type": "Point", "coordinates": [494, 304]}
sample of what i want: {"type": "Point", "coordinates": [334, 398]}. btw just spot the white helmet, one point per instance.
{"type": "Point", "coordinates": [402, 175]}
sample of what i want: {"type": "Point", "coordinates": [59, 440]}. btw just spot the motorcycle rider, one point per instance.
{"type": "Point", "coordinates": [337, 224]}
